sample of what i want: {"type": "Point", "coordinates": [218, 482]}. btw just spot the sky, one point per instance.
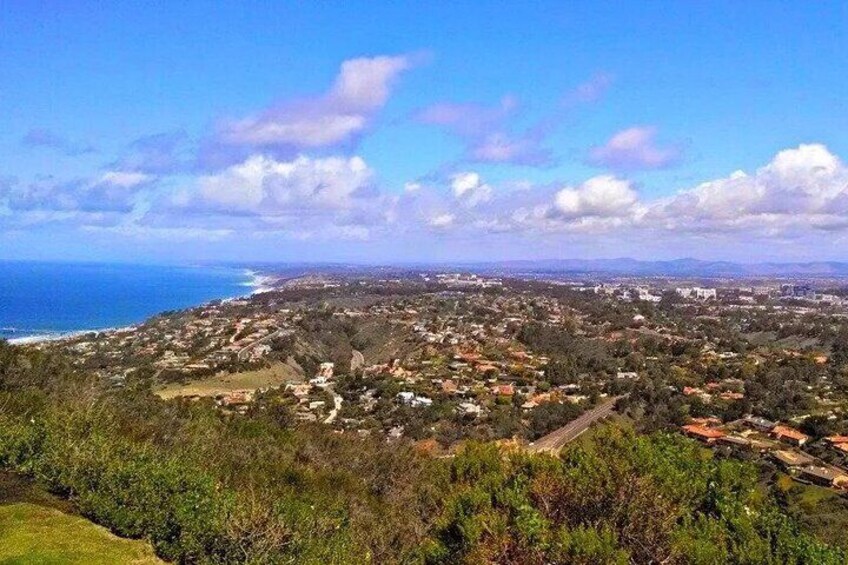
{"type": "Point", "coordinates": [377, 132]}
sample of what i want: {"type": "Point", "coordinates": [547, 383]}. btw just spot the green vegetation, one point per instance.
{"type": "Point", "coordinates": [31, 534]}
{"type": "Point", "coordinates": [819, 510]}
{"type": "Point", "coordinates": [207, 487]}
{"type": "Point", "coordinates": [617, 498]}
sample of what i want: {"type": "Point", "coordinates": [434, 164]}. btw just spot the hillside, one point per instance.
{"type": "Point", "coordinates": [206, 487]}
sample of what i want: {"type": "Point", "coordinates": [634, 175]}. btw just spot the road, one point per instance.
{"type": "Point", "coordinates": [244, 350]}
{"type": "Point", "coordinates": [337, 405]}
{"type": "Point", "coordinates": [555, 440]}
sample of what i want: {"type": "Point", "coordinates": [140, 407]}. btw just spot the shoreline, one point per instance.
{"type": "Point", "coordinates": [258, 282]}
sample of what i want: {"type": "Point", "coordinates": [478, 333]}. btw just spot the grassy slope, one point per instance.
{"type": "Point", "coordinates": [31, 534]}
{"type": "Point", "coordinates": [273, 376]}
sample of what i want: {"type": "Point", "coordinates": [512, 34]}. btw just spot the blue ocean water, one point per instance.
{"type": "Point", "coordinates": [54, 298]}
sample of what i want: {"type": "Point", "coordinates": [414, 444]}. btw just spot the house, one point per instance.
{"type": "Point", "coordinates": [824, 476]}
{"type": "Point", "coordinates": [326, 370]}
{"type": "Point", "coordinates": [736, 441]}
{"type": "Point", "coordinates": [789, 435]}
{"type": "Point", "coordinates": [411, 399]}
{"type": "Point", "coordinates": [504, 390]}
{"type": "Point", "coordinates": [406, 397]}
{"type": "Point", "coordinates": [236, 398]}
{"type": "Point", "coordinates": [791, 459]}
{"type": "Point", "coordinates": [758, 423]}
{"type": "Point", "coordinates": [836, 440]}
{"type": "Point", "coordinates": [701, 433]}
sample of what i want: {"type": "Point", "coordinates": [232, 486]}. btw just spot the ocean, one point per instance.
{"type": "Point", "coordinates": [42, 300]}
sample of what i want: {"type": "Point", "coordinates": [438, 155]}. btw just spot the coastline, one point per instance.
{"type": "Point", "coordinates": [59, 336]}
{"type": "Point", "coordinates": [256, 281]}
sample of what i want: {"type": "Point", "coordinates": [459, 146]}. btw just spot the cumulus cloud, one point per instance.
{"type": "Point", "coordinates": [470, 189]}
{"type": "Point", "coordinates": [304, 198]}
{"type": "Point", "coordinates": [361, 88]}
{"type": "Point", "coordinates": [801, 192]}
{"type": "Point", "coordinates": [602, 196]}
{"type": "Point", "coordinates": [801, 188]}
{"type": "Point", "coordinates": [264, 186]}
{"type": "Point", "coordinates": [634, 149]}
{"type": "Point", "coordinates": [800, 195]}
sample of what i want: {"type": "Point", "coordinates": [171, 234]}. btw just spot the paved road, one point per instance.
{"type": "Point", "coordinates": [555, 440]}
{"type": "Point", "coordinates": [244, 350]}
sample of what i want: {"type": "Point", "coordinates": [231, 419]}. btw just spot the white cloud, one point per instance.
{"type": "Point", "coordinates": [632, 149]}
{"type": "Point", "coordinates": [361, 88]}
{"type": "Point", "coordinates": [470, 188]}
{"type": "Point", "coordinates": [263, 186]}
{"type": "Point", "coordinates": [601, 196]}
{"type": "Point", "coordinates": [801, 188]}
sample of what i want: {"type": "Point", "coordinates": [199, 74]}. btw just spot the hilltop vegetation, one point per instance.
{"type": "Point", "coordinates": [207, 487]}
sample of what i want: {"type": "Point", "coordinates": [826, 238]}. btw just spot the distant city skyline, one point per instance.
{"type": "Point", "coordinates": [371, 133]}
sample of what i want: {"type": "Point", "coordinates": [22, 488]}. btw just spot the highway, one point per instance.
{"type": "Point", "coordinates": [555, 440]}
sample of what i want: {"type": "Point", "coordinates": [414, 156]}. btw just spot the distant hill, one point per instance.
{"type": "Point", "coordinates": [672, 268]}
{"type": "Point", "coordinates": [688, 268]}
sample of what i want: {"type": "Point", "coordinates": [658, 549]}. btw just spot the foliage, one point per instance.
{"type": "Point", "coordinates": [618, 498]}
{"type": "Point", "coordinates": [206, 487]}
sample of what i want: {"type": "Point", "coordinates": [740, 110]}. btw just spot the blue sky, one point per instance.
{"type": "Point", "coordinates": [369, 131]}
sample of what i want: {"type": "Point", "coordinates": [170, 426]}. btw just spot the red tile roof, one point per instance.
{"type": "Point", "coordinates": [701, 431]}
{"type": "Point", "coordinates": [791, 433]}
